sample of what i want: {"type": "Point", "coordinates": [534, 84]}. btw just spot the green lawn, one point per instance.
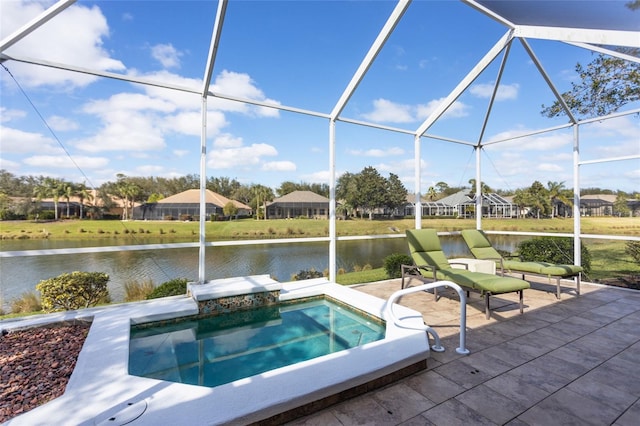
{"type": "Point", "coordinates": [253, 229]}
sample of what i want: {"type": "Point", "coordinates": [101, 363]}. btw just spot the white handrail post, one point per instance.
{"type": "Point", "coordinates": [437, 347]}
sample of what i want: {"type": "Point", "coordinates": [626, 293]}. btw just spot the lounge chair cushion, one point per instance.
{"type": "Point", "coordinates": [481, 248]}
{"type": "Point", "coordinates": [425, 249]}
{"type": "Point", "coordinates": [479, 245]}
{"type": "Point", "coordinates": [482, 282]}
{"type": "Point", "coordinates": [542, 268]}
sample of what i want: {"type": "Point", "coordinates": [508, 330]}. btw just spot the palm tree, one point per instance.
{"type": "Point", "coordinates": [262, 194]}
{"type": "Point", "coordinates": [50, 187]}
{"type": "Point", "coordinates": [484, 188]}
{"type": "Point", "coordinates": [521, 199]}
{"type": "Point", "coordinates": [557, 192]}
{"type": "Point", "coordinates": [83, 193]}
{"type": "Point", "coordinates": [127, 191]}
{"type": "Point", "coordinates": [68, 191]}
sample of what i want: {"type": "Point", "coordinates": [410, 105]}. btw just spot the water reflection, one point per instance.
{"type": "Point", "coordinates": [280, 261]}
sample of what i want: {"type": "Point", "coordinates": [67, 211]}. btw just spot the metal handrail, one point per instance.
{"type": "Point", "coordinates": [437, 347]}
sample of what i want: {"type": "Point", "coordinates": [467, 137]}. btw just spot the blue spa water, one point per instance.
{"type": "Point", "coordinates": [217, 350]}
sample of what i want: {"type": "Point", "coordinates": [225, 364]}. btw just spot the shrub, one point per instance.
{"type": "Point", "coordinates": [74, 291]}
{"type": "Point", "coordinates": [632, 248]}
{"type": "Point", "coordinates": [307, 275]}
{"type": "Point", "coordinates": [175, 287]}
{"type": "Point", "coordinates": [136, 290]}
{"type": "Point", "coordinates": [26, 303]}
{"type": "Point", "coordinates": [553, 250]}
{"type": "Point", "coordinates": [392, 264]}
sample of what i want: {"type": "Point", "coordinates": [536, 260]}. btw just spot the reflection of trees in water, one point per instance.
{"type": "Point", "coordinates": [280, 261]}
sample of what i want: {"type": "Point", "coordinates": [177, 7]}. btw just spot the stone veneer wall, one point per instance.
{"type": "Point", "coordinates": [223, 305]}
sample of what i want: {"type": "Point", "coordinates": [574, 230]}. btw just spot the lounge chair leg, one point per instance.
{"type": "Point", "coordinates": [486, 306]}
{"type": "Point", "coordinates": [521, 301]}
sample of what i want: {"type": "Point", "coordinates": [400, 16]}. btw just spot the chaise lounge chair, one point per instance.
{"type": "Point", "coordinates": [430, 262]}
{"type": "Point", "coordinates": [481, 248]}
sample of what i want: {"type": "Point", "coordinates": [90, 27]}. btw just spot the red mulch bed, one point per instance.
{"type": "Point", "coordinates": [35, 365]}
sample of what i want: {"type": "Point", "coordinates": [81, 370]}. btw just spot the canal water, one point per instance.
{"type": "Point", "coordinates": [280, 261]}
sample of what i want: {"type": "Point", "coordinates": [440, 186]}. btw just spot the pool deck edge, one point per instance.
{"type": "Point", "coordinates": [100, 388]}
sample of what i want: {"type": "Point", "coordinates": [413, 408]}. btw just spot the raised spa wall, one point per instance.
{"type": "Point", "coordinates": [223, 297]}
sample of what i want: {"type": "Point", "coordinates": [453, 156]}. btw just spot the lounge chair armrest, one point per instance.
{"type": "Point", "coordinates": [415, 269]}
{"type": "Point", "coordinates": [408, 269]}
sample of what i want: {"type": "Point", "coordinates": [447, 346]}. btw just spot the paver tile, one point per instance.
{"type": "Point", "coordinates": [402, 402]}
{"type": "Point", "coordinates": [454, 413]}
{"type": "Point", "coordinates": [490, 404]}
{"type": "Point", "coordinates": [566, 407]}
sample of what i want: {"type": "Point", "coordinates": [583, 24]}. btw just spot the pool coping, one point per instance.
{"type": "Point", "coordinates": [100, 390]}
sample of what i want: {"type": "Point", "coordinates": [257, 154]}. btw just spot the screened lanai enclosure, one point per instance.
{"type": "Point", "coordinates": [427, 90]}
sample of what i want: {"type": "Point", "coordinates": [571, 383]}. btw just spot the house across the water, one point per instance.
{"type": "Point", "coordinates": [299, 204]}
{"type": "Point", "coordinates": [186, 206]}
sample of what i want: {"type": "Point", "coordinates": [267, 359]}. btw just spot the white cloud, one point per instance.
{"type": "Point", "coordinates": [543, 142]}
{"type": "Point", "coordinates": [242, 86]}
{"type": "Point", "coordinates": [186, 100]}
{"type": "Point", "coordinates": [377, 152]}
{"type": "Point", "coordinates": [167, 55]}
{"type": "Point", "coordinates": [125, 131]}
{"type": "Point", "coordinates": [61, 124]}
{"type": "Point", "coordinates": [387, 111]}
{"type": "Point", "coordinates": [20, 142]}
{"type": "Point", "coordinates": [633, 174]}
{"type": "Point", "coordinates": [321, 176]}
{"type": "Point", "coordinates": [180, 152]}
{"type": "Point", "coordinates": [505, 91]}
{"type": "Point", "coordinates": [9, 165]}
{"type": "Point", "coordinates": [227, 141]}
{"type": "Point", "coordinates": [149, 170]}
{"type": "Point", "coordinates": [279, 166]}
{"type": "Point", "coordinates": [241, 157]}
{"type": "Point", "coordinates": [456, 110]}
{"type": "Point", "coordinates": [64, 162]}
{"type": "Point", "coordinates": [190, 123]}
{"type": "Point", "coordinates": [128, 102]}
{"type": "Point", "coordinates": [74, 37]}
{"type": "Point", "coordinates": [7, 115]}
{"type": "Point", "coordinates": [549, 167]}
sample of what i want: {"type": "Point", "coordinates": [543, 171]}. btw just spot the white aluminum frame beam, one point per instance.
{"type": "Point", "coordinates": [371, 55]}
{"type": "Point", "coordinates": [546, 77]}
{"type": "Point", "coordinates": [605, 51]}
{"type": "Point", "coordinates": [357, 77]}
{"type": "Point", "coordinates": [466, 82]}
{"type": "Point", "coordinates": [580, 35]}
{"type": "Point", "coordinates": [206, 81]}
{"type": "Point", "coordinates": [34, 24]}
{"type": "Point", "coordinates": [490, 13]}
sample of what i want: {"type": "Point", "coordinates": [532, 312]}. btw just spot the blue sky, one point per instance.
{"type": "Point", "coordinates": [300, 54]}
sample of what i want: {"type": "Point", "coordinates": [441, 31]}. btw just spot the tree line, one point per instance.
{"type": "Point", "coordinates": [363, 193]}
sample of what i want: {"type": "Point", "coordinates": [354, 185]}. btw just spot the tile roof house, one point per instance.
{"type": "Point", "coordinates": [186, 206]}
{"type": "Point", "coordinates": [299, 204]}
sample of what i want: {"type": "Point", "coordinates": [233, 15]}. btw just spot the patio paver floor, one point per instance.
{"type": "Point", "coordinates": [568, 361]}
